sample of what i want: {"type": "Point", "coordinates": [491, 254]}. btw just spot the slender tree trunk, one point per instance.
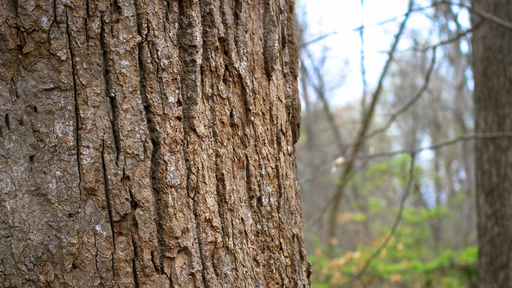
{"type": "Point", "coordinates": [492, 46]}
{"type": "Point", "coordinates": [149, 144]}
{"type": "Point", "coordinates": [437, 226]}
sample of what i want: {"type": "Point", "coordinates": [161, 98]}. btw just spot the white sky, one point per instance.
{"type": "Point", "coordinates": [342, 16]}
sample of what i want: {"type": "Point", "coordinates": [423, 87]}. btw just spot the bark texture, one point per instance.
{"type": "Point", "coordinates": [492, 46]}
{"type": "Point", "coordinates": [149, 143]}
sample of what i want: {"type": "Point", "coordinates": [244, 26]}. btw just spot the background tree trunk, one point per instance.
{"type": "Point", "coordinates": [149, 144]}
{"type": "Point", "coordinates": [492, 46]}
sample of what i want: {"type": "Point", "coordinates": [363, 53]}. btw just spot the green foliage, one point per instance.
{"type": "Point", "coordinates": [459, 199]}
{"type": "Point", "coordinates": [397, 264]}
{"type": "Point", "coordinates": [410, 259]}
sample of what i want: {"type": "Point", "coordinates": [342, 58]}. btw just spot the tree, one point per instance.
{"type": "Point", "coordinates": [493, 113]}
{"type": "Point", "coordinates": [149, 144]}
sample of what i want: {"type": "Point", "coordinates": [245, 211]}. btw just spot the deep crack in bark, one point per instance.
{"type": "Point", "coordinates": [156, 138]}
{"type": "Point", "coordinates": [136, 279]}
{"type": "Point", "coordinates": [108, 91]}
{"type": "Point", "coordinates": [77, 111]}
{"type": "Point", "coordinates": [108, 196]}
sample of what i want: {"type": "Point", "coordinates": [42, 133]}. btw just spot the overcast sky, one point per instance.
{"type": "Point", "coordinates": [342, 16]}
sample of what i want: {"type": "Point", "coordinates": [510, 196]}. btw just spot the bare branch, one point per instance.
{"type": "Point", "coordinates": [304, 45]}
{"type": "Point", "coordinates": [393, 228]}
{"type": "Point", "coordinates": [320, 91]}
{"type": "Point", "coordinates": [481, 136]}
{"type": "Point", "coordinates": [362, 27]}
{"type": "Point", "coordinates": [411, 102]}
{"type": "Point", "coordinates": [422, 90]}
{"type": "Point", "coordinates": [418, 9]}
{"type": "Point", "coordinates": [456, 38]}
{"type": "Point", "coordinates": [483, 14]}
{"type": "Point", "coordinates": [362, 132]}
{"type": "Point", "coordinates": [438, 145]}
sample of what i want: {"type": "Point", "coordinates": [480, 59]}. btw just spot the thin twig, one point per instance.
{"type": "Point", "coordinates": [357, 29]}
{"type": "Point", "coordinates": [418, 9]}
{"type": "Point", "coordinates": [393, 228]}
{"type": "Point", "coordinates": [479, 12]}
{"type": "Point", "coordinates": [483, 14]}
{"type": "Point", "coordinates": [438, 145]}
{"type": "Point", "coordinates": [456, 38]}
{"type": "Point", "coordinates": [451, 40]}
{"type": "Point", "coordinates": [481, 136]}
{"type": "Point", "coordinates": [411, 102]}
{"type": "Point", "coordinates": [304, 45]}
{"type": "Point", "coordinates": [320, 91]}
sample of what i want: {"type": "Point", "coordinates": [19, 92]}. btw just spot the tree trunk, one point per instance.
{"type": "Point", "coordinates": [149, 144]}
{"type": "Point", "coordinates": [492, 46]}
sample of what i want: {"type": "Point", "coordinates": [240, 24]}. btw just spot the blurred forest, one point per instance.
{"type": "Point", "coordinates": [387, 181]}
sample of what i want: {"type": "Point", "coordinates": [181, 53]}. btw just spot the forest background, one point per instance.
{"type": "Point", "coordinates": [391, 80]}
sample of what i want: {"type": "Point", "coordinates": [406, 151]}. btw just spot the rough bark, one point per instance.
{"type": "Point", "coordinates": [149, 144]}
{"type": "Point", "coordinates": [492, 46]}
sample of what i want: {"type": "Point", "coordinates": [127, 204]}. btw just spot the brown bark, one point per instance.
{"type": "Point", "coordinates": [492, 46]}
{"type": "Point", "coordinates": [149, 144]}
